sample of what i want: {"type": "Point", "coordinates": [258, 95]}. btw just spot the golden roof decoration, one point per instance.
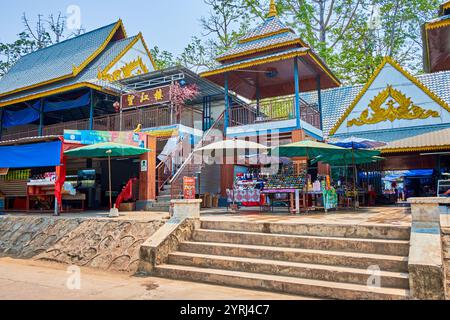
{"type": "Point", "coordinates": [273, 12]}
{"type": "Point", "coordinates": [399, 107]}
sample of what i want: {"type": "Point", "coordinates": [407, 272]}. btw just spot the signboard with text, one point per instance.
{"type": "Point", "coordinates": [88, 137]}
{"type": "Point", "coordinates": [189, 191]}
{"type": "Point", "coordinates": [146, 98]}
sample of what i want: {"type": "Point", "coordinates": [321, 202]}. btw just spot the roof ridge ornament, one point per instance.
{"type": "Point", "coordinates": [273, 12]}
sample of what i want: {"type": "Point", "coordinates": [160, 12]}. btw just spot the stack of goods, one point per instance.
{"type": "Point", "coordinates": [43, 179]}
{"type": "Point", "coordinates": [286, 180]}
{"type": "Point", "coordinates": [16, 175]}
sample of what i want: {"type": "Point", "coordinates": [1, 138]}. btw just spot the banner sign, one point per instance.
{"type": "Point", "coordinates": [87, 137]}
{"type": "Point", "coordinates": [146, 98]}
{"type": "Point", "coordinates": [189, 188]}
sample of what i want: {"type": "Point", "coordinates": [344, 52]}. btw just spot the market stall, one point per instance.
{"type": "Point", "coordinates": [31, 176]}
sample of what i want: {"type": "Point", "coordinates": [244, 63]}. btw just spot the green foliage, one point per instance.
{"type": "Point", "coordinates": [43, 33]}
{"type": "Point", "coordinates": [163, 59]}
{"type": "Point", "coordinates": [352, 36]}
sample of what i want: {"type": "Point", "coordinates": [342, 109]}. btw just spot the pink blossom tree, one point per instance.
{"type": "Point", "coordinates": [179, 96]}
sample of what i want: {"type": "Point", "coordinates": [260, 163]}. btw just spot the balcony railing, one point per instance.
{"type": "Point", "coordinates": [274, 110]}
{"type": "Point", "coordinates": [148, 118]}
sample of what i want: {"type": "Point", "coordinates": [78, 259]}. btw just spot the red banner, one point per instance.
{"type": "Point", "coordinates": [189, 188]}
{"type": "Point", "coordinates": [146, 98]}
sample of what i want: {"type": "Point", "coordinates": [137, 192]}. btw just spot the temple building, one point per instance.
{"type": "Point", "coordinates": [268, 63]}
{"type": "Point", "coordinates": [69, 81]}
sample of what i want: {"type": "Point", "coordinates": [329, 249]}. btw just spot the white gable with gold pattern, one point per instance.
{"type": "Point", "coordinates": [392, 99]}
{"type": "Point", "coordinates": [134, 60]}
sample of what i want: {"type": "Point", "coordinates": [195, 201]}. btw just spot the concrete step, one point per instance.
{"type": "Point", "coordinates": [332, 258]}
{"type": "Point", "coordinates": [316, 229]}
{"type": "Point", "coordinates": [164, 193]}
{"type": "Point", "coordinates": [297, 286]}
{"type": "Point", "coordinates": [290, 269]}
{"type": "Point", "coordinates": [164, 198]}
{"type": "Point", "coordinates": [386, 247]}
{"type": "Point", "coordinates": [160, 207]}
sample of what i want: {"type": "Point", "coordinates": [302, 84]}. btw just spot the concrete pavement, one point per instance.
{"type": "Point", "coordinates": [35, 280]}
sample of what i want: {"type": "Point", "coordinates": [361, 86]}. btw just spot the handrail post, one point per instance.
{"type": "Point", "coordinates": [2, 112]}
{"type": "Point", "coordinates": [319, 99]}
{"type": "Point", "coordinates": [91, 110]}
{"type": "Point", "coordinates": [227, 104]}
{"type": "Point", "coordinates": [41, 118]}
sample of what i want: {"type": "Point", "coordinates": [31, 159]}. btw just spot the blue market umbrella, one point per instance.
{"type": "Point", "coordinates": [358, 143]}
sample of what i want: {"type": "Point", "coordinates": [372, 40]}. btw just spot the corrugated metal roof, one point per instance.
{"type": "Point", "coordinates": [439, 138]}
{"type": "Point", "coordinates": [29, 140]}
{"type": "Point", "coordinates": [54, 61]}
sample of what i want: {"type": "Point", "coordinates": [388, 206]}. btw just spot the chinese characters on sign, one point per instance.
{"type": "Point", "coordinates": [146, 98]}
{"type": "Point", "coordinates": [189, 188]}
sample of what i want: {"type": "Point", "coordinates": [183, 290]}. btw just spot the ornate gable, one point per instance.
{"type": "Point", "coordinates": [392, 99]}
{"type": "Point", "coordinates": [135, 59]}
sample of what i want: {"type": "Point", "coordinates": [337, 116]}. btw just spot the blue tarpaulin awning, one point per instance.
{"type": "Point", "coordinates": [46, 154]}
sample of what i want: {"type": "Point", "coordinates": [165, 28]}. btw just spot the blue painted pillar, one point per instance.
{"type": "Point", "coordinates": [297, 93]}
{"type": "Point", "coordinates": [2, 111]}
{"type": "Point", "coordinates": [319, 100]}
{"type": "Point", "coordinates": [258, 98]}
{"type": "Point", "coordinates": [227, 105]}
{"type": "Point", "coordinates": [41, 118]}
{"type": "Point", "coordinates": [91, 110]}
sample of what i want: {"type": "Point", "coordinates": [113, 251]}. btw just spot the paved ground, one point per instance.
{"type": "Point", "coordinates": [398, 216]}
{"type": "Point", "coordinates": [32, 280]}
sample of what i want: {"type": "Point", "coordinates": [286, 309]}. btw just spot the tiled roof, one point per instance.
{"type": "Point", "coordinates": [87, 75]}
{"type": "Point", "coordinates": [336, 101]}
{"type": "Point", "coordinates": [260, 44]}
{"type": "Point", "coordinates": [436, 138]}
{"type": "Point", "coordinates": [55, 61]}
{"type": "Point", "coordinates": [256, 59]}
{"type": "Point", "coordinates": [270, 26]}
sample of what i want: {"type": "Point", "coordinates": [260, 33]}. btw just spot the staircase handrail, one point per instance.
{"type": "Point", "coordinates": [196, 147]}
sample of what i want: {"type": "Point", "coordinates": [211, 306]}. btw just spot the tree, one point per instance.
{"type": "Point", "coordinates": [353, 36]}
{"type": "Point", "coordinates": [228, 20]}
{"type": "Point", "coordinates": [163, 59]}
{"type": "Point", "coordinates": [38, 35]}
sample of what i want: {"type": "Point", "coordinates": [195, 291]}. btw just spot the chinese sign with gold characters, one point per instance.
{"type": "Point", "coordinates": [146, 98]}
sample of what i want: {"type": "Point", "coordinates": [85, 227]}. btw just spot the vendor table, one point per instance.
{"type": "Point", "coordinates": [294, 197]}
{"type": "Point", "coordinates": [246, 197]}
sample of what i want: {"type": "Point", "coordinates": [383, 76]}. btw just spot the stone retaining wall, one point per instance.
{"type": "Point", "coordinates": [446, 249]}
{"type": "Point", "coordinates": [97, 243]}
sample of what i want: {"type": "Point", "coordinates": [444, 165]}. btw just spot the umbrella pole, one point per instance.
{"type": "Point", "coordinates": [354, 179]}
{"type": "Point", "coordinates": [110, 188]}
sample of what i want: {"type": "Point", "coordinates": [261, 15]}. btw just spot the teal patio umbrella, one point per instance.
{"type": "Point", "coordinates": [308, 149]}
{"type": "Point", "coordinates": [106, 150]}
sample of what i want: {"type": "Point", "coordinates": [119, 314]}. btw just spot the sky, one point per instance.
{"type": "Point", "coordinates": [168, 24]}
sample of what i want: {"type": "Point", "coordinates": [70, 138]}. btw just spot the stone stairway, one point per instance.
{"type": "Point", "coordinates": [321, 261]}
{"type": "Point", "coordinates": [162, 203]}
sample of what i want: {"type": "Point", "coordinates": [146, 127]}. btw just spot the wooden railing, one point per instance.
{"type": "Point", "coordinates": [189, 168]}
{"type": "Point", "coordinates": [274, 110]}
{"type": "Point", "coordinates": [148, 118]}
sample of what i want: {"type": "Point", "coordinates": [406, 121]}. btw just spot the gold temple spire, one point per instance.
{"type": "Point", "coordinates": [273, 12]}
